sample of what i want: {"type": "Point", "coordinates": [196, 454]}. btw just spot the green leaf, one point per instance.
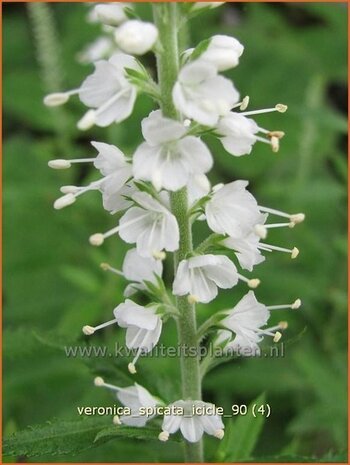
{"type": "Point", "coordinates": [242, 435]}
{"type": "Point", "coordinates": [201, 48]}
{"type": "Point", "coordinates": [145, 433]}
{"type": "Point", "coordinates": [55, 438]}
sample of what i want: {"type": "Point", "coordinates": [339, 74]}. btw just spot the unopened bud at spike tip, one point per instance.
{"type": "Point", "coordinates": [59, 164]}
{"type": "Point", "coordinates": [295, 253]}
{"type": "Point", "coordinates": [98, 381]}
{"type": "Point", "coordinates": [253, 283]}
{"type": "Point", "coordinates": [277, 336]}
{"type": "Point", "coordinates": [131, 368]}
{"type": "Point", "coordinates": [96, 239]}
{"type": "Point", "coordinates": [219, 434]}
{"type": "Point", "coordinates": [64, 201]}
{"type": "Point", "coordinates": [116, 420]}
{"type": "Point", "coordinates": [163, 436]}
{"type": "Point", "coordinates": [296, 304]}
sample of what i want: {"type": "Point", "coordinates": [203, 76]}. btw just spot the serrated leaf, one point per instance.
{"type": "Point", "coordinates": [242, 435]}
{"type": "Point", "coordinates": [145, 433]}
{"type": "Point", "coordinates": [55, 438]}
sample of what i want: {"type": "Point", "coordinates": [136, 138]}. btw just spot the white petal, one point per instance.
{"type": "Point", "coordinates": [133, 223]}
{"type": "Point", "coordinates": [101, 85]}
{"type": "Point", "coordinates": [157, 129]}
{"type": "Point", "coordinates": [109, 158]}
{"type": "Point", "coordinates": [196, 153]}
{"type": "Point", "coordinates": [137, 268]}
{"type": "Point", "coordinates": [131, 314]}
{"type": "Point", "coordinates": [171, 423]}
{"type": "Point", "coordinates": [224, 273]}
{"type": "Point", "coordinates": [181, 285]}
{"type": "Point", "coordinates": [119, 110]}
{"type": "Point", "coordinates": [192, 429]}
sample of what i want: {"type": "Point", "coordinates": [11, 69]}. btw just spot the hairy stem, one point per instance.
{"type": "Point", "coordinates": [166, 19]}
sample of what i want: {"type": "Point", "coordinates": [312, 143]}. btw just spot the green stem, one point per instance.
{"type": "Point", "coordinates": [166, 20]}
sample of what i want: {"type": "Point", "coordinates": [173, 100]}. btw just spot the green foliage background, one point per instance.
{"type": "Point", "coordinates": [53, 285]}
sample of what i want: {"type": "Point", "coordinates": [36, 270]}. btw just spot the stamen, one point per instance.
{"type": "Point", "coordinates": [268, 248]}
{"type": "Point", "coordinates": [295, 305]}
{"type": "Point", "coordinates": [163, 436]}
{"type": "Point", "coordinates": [277, 336]}
{"type": "Point", "coordinates": [187, 123]}
{"type": "Point", "coordinates": [59, 98]}
{"type": "Point", "coordinates": [278, 134]}
{"type": "Point", "coordinates": [275, 144]}
{"type": "Point", "coordinates": [64, 201]}
{"type": "Point", "coordinates": [107, 267]}
{"type": "Point", "coordinates": [279, 107]}
{"type": "Point", "coordinates": [89, 330]}
{"type": "Point", "coordinates": [283, 324]}
{"type": "Point", "coordinates": [116, 420]}
{"type": "Point", "coordinates": [260, 230]}
{"type": "Point", "coordinates": [279, 225]}
{"type": "Point", "coordinates": [99, 382]}
{"type": "Point", "coordinates": [98, 238]}
{"type": "Point", "coordinates": [294, 218]}
{"type": "Point", "coordinates": [244, 103]}
{"type": "Point", "coordinates": [59, 164]}
{"type": "Point", "coordinates": [219, 434]}
{"type": "Point", "coordinates": [252, 283]}
{"type": "Point", "coordinates": [69, 189]}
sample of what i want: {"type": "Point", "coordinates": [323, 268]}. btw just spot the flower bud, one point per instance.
{"type": "Point", "coordinates": [111, 14]}
{"type": "Point", "coordinates": [223, 52]}
{"type": "Point", "coordinates": [136, 37]}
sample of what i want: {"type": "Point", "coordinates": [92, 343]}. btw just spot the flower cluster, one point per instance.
{"type": "Point", "coordinates": [138, 188]}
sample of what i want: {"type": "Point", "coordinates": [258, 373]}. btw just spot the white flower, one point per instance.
{"type": "Point", "coordinates": [202, 95]}
{"type": "Point", "coordinates": [247, 250]}
{"type": "Point", "coordinates": [246, 319]}
{"type": "Point", "coordinates": [223, 52]}
{"type": "Point", "coordinates": [193, 421]}
{"type": "Point", "coordinates": [118, 200]}
{"type": "Point", "coordinates": [168, 157]}
{"type": "Point", "coordinates": [111, 14]}
{"type": "Point", "coordinates": [139, 269]}
{"type": "Point", "coordinates": [201, 276]}
{"type": "Point", "coordinates": [97, 50]}
{"type": "Point", "coordinates": [143, 327]}
{"type": "Point", "coordinates": [233, 210]}
{"type": "Point", "coordinates": [108, 91]}
{"type": "Point", "coordinates": [134, 398]}
{"type": "Point", "coordinates": [136, 37]}
{"type": "Point", "coordinates": [149, 224]}
{"type": "Point", "coordinates": [237, 133]}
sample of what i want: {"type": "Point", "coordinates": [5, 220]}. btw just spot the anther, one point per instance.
{"type": "Point", "coordinates": [253, 283]}
{"type": "Point", "coordinates": [275, 144]}
{"type": "Point", "coordinates": [56, 99]}
{"type": "Point", "coordinates": [281, 108]}
{"type": "Point", "coordinates": [116, 420]}
{"type": "Point", "coordinates": [219, 434]}
{"type": "Point", "coordinates": [131, 368]}
{"type": "Point", "coordinates": [295, 252]}
{"type": "Point", "coordinates": [297, 218]}
{"type": "Point", "coordinates": [161, 255]}
{"type": "Point", "coordinates": [64, 201]}
{"type": "Point", "coordinates": [283, 324]}
{"type": "Point", "coordinates": [278, 134]}
{"type": "Point", "coordinates": [277, 336]}
{"type": "Point", "coordinates": [96, 239]}
{"type": "Point", "coordinates": [69, 189]}
{"type": "Point", "coordinates": [59, 164]}
{"type": "Point", "coordinates": [98, 381]}
{"type": "Point", "coordinates": [245, 103]}
{"type": "Point", "coordinates": [163, 436]}
{"type": "Point", "coordinates": [260, 230]}
{"type": "Point", "coordinates": [192, 299]}
{"type": "Point", "coordinates": [88, 330]}
{"type": "Point", "coordinates": [296, 304]}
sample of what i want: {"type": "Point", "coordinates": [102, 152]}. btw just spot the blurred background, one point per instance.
{"type": "Point", "coordinates": [294, 54]}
